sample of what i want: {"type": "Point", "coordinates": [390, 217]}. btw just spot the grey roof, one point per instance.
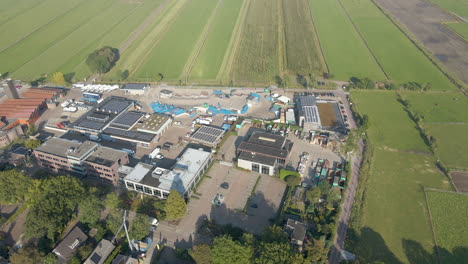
{"type": "Point", "coordinates": [135, 86]}
{"type": "Point", "coordinates": [106, 156]}
{"type": "Point", "coordinates": [114, 143]}
{"type": "Point", "coordinates": [21, 151]}
{"type": "Point", "coordinates": [165, 91]}
{"type": "Point", "coordinates": [82, 150]}
{"type": "Point", "coordinates": [114, 104]}
{"type": "Point", "coordinates": [263, 150]}
{"type": "Point", "coordinates": [207, 134]}
{"type": "Point", "coordinates": [121, 259]}
{"type": "Point", "coordinates": [262, 159]}
{"type": "Point", "coordinates": [57, 146]}
{"type": "Point", "coordinates": [89, 124]}
{"type": "Point", "coordinates": [70, 243]}
{"type": "Point", "coordinates": [100, 253]}
{"type": "Point", "coordinates": [295, 229]}
{"type": "Point", "coordinates": [127, 120]}
{"type": "Point", "coordinates": [135, 135]}
{"type": "Point", "coordinates": [267, 139]}
{"type": "Point", "coordinates": [307, 100]}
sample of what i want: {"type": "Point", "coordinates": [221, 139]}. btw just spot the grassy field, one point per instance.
{"type": "Point", "coordinates": [93, 24]}
{"type": "Point", "coordinates": [439, 107]}
{"type": "Point", "coordinates": [460, 28]}
{"type": "Point", "coordinates": [401, 60]}
{"type": "Point", "coordinates": [451, 143]}
{"type": "Point", "coordinates": [256, 58]}
{"type": "Point", "coordinates": [170, 55]}
{"type": "Point", "coordinates": [390, 125]}
{"type": "Point", "coordinates": [211, 56]}
{"type": "Point", "coordinates": [459, 7]}
{"type": "Point", "coordinates": [303, 54]}
{"type": "Point", "coordinates": [449, 213]}
{"type": "Point", "coordinates": [345, 52]}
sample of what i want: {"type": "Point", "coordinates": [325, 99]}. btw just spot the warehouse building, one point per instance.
{"type": "Point", "coordinates": [307, 113]}
{"type": "Point", "coordinates": [136, 88]}
{"type": "Point", "coordinates": [88, 158]}
{"type": "Point", "coordinates": [208, 135]}
{"type": "Point", "coordinates": [263, 152]}
{"type": "Point", "coordinates": [183, 176]}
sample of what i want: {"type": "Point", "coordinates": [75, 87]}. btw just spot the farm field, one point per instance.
{"type": "Point", "coordinates": [345, 52]}
{"type": "Point", "coordinates": [394, 215]}
{"type": "Point", "coordinates": [400, 59]}
{"type": "Point", "coordinates": [256, 58]}
{"type": "Point", "coordinates": [438, 107]}
{"type": "Point", "coordinates": [113, 25]}
{"type": "Point", "coordinates": [390, 126]}
{"type": "Point", "coordinates": [449, 221]}
{"type": "Point", "coordinates": [458, 7]}
{"type": "Point", "coordinates": [451, 143]}
{"type": "Point", "coordinates": [303, 55]}
{"type": "Point", "coordinates": [460, 28]}
{"type": "Point", "coordinates": [208, 62]}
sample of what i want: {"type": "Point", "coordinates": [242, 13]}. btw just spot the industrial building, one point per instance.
{"type": "Point", "coordinates": [263, 152]}
{"type": "Point", "coordinates": [208, 135]}
{"type": "Point", "coordinates": [87, 158]}
{"type": "Point", "coordinates": [307, 113]}
{"type": "Point", "coordinates": [136, 88]}
{"type": "Point", "coordinates": [158, 182]}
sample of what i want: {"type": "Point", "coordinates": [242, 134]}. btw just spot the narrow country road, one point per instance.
{"type": "Point", "coordinates": [338, 243]}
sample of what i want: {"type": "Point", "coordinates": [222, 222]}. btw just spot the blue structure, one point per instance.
{"type": "Point", "coordinates": [226, 127]}
{"type": "Point", "coordinates": [216, 92]}
{"type": "Point", "coordinates": [256, 95]}
{"type": "Point", "coordinates": [244, 109]}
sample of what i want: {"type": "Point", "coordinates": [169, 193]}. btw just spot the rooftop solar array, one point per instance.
{"type": "Point", "coordinates": [114, 104]}
{"type": "Point", "coordinates": [207, 134]}
{"type": "Point", "coordinates": [90, 124]}
{"type": "Point", "coordinates": [127, 119]}
{"type": "Point", "coordinates": [307, 100]}
{"type": "Point", "coordinates": [311, 114]}
{"type": "Point", "coordinates": [135, 86]}
{"type": "Point", "coordinates": [141, 136]}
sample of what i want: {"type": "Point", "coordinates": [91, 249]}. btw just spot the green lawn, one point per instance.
{"type": "Point", "coordinates": [303, 54]}
{"type": "Point", "coordinates": [394, 214]}
{"type": "Point", "coordinates": [451, 143]}
{"type": "Point", "coordinates": [401, 60]}
{"type": "Point", "coordinates": [460, 28]}
{"type": "Point", "coordinates": [211, 56]}
{"type": "Point", "coordinates": [449, 215]}
{"type": "Point", "coordinates": [257, 55]}
{"type": "Point", "coordinates": [390, 125]}
{"type": "Point", "coordinates": [345, 52]}
{"type": "Point", "coordinates": [439, 107]}
{"type": "Point", "coordinates": [170, 55]}
{"type": "Point", "coordinates": [459, 7]}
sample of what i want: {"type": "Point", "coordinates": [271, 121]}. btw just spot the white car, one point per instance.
{"type": "Point", "coordinates": [160, 156]}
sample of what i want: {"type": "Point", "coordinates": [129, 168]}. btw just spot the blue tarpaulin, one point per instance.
{"type": "Point", "coordinates": [244, 109]}
{"type": "Point", "coordinates": [217, 92]}
{"type": "Point", "coordinates": [226, 126]}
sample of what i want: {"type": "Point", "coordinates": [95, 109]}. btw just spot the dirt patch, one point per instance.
{"type": "Point", "coordinates": [327, 115]}
{"type": "Point", "coordinates": [460, 180]}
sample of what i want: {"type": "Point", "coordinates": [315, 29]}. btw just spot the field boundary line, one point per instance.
{"type": "Point", "coordinates": [234, 43]}
{"type": "Point", "coordinates": [149, 20]}
{"type": "Point", "coordinates": [363, 39]}
{"type": "Point", "coordinates": [317, 39]}
{"type": "Point", "coordinates": [451, 77]}
{"type": "Point", "coordinates": [58, 42]}
{"type": "Point", "coordinates": [282, 49]}
{"type": "Point", "coordinates": [446, 25]}
{"type": "Point", "coordinates": [207, 29]}
{"type": "Point", "coordinates": [431, 223]}
{"type": "Point", "coordinates": [42, 26]}
{"type": "Point", "coordinates": [21, 11]}
{"type": "Point", "coordinates": [448, 12]}
{"type": "Point", "coordinates": [160, 30]}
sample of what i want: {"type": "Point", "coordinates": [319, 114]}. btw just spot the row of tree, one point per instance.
{"type": "Point", "coordinates": [366, 83]}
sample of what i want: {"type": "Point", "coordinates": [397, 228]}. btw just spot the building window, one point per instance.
{"type": "Point", "coordinates": [266, 170]}
{"type": "Point", "coordinates": [139, 188]}
{"type": "Point", "coordinates": [148, 190]}
{"type": "Point", "coordinates": [255, 167]}
{"type": "Point", "coordinates": [157, 193]}
{"type": "Point", "coordinates": [130, 185]}
{"type": "Point", "coordinates": [281, 161]}
{"type": "Point", "coordinates": [165, 195]}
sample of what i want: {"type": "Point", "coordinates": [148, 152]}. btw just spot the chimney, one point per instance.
{"type": "Point", "coordinates": [10, 90]}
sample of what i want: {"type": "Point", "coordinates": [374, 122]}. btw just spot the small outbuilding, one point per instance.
{"type": "Point", "coordinates": [164, 93]}
{"type": "Point", "coordinates": [136, 88]}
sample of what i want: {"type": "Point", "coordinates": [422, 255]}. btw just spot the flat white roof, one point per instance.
{"type": "Point", "coordinates": [139, 172]}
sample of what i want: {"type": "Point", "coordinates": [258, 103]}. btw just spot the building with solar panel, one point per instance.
{"type": "Point", "coordinates": [208, 135]}
{"type": "Point", "coordinates": [263, 152]}
{"type": "Point", "coordinates": [183, 176]}
{"type": "Point", "coordinates": [307, 113]}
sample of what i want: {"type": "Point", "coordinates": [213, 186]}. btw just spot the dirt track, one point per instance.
{"type": "Point", "coordinates": [424, 19]}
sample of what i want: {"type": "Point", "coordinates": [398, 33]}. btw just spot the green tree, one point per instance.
{"type": "Point", "coordinates": [51, 258]}
{"type": "Point", "coordinates": [201, 254]}
{"type": "Point", "coordinates": [274, 234]}
{"type": "Point", "coordinates": [32, 130]}
{"type": "Point", "coordinates": [32, 143]}
{"type": "Point", "coordinates": [176, 208]}
{"type": "Point", "coordinates": [225, 250]}
{"type": "Point", "coordinates": [53, 207]}
{"type": "Point", "coordinates": [90, 209]}
{"type": "Point", "coordinates": [27, 254]}
{"type": "Point", "coordinates": [313, 195]}
{"type": "Point", "coordinates": [103, 59]}
{"type": "Point", "coordinates": [334, 195]}
{"type": "Point", "coordinates": [292, 180]}
{"type": "Point", "coordinates": [139, 228]}
{"type": "Point", "coordinates": [112, 201]}
{"type": "Point", "coordinates": [114, 220]}
{"type": "Point", "coordinates": [277, 253]}
{"type": "Point", "coordinates": [15, 186]}
{"type": "Point", "coordinates": [58, 78]}
{"type": "Point", "coordinates": [317, 252]}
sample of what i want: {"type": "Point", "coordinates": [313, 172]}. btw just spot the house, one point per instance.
{"type": "Point", "coordinates": [296, 231]}
{"type": "Point", "coordinates": [88, 158]}
{"type": "Point", "coordinates": [121, 259]}
{"type": "Point", "coordinates": [100, 253]}
{"type": "Point", "coordinates": [136, 88]}
{"type": "Point", "coordinates": [70, 244]}
{"type": "Point", "coordinates": [263, 152]}
{"type": "Point", "coordinates": [158, 182]}
{"type": "Point", "coordinates": [307, 113]}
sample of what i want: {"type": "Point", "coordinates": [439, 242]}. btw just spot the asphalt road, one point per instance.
{"type": "Point", "coordinates": [338, 243]}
